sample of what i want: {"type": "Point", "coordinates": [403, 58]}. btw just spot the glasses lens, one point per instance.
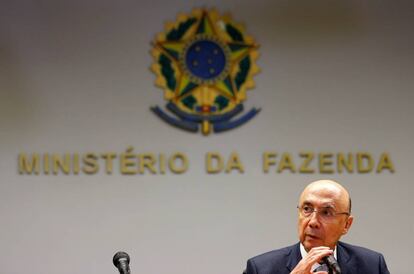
{"type": "Point", "coordinates": [306, 210]}
{"type": "Point", "coordinates": [325, 213]}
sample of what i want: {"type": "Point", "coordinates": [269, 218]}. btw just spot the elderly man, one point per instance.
{"type": "Point", "coordinates": [324, 216]}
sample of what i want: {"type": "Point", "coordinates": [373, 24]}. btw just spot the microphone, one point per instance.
{"type": "Point", "coordinates": [121, 261]}
{"type": "Point", "coordinates": [332, 264]}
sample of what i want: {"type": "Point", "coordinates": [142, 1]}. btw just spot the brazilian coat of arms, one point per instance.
{"type": "Point", "coordinates": [205, 63]}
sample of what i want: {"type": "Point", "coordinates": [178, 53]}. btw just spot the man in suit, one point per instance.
{"type": "Point", "coordinates": [324, 216]}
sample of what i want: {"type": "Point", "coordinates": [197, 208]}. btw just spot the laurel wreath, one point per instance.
{"type": "Point", "coordinates": [178, 33]}
{"type": "Point", "coordinates": [167, 71]}
{"type": "Point", "coordinates": [234, 33]}
{"type": "Point", "coordinates": [244, 67]}
{"type": "Point", "coordinates": [166, 68]}
{"type": "Point", "coordinates": [222, 102]}
{"type": "Point", "coordinates": [189, 102]}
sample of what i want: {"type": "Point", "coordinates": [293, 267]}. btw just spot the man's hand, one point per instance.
{"type": "Point", "coordinates": [314, 256]}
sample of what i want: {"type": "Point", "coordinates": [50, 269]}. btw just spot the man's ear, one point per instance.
{"type": "Point", "coordinates": [348, 224]}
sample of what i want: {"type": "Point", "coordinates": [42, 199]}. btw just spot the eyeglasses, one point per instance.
{"type": "Point", "coordinates": [325, 213]}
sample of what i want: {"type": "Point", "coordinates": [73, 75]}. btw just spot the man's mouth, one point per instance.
{"type": "Point", "coordinates": [312, 236]}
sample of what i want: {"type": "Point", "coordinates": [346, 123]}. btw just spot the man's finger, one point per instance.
{"type": "Point", "coordinates": [315, 258]}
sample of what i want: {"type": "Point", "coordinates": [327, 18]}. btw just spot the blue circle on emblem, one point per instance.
{"type": "Point", "coordinates": [205, 59]}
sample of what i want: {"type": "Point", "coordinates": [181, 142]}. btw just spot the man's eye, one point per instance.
{"type": "Point", "coordinates": [307, 209]}
{"type": "Point", "coordinates": [327, 212]}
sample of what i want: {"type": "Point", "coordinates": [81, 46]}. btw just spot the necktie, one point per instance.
{"type": "Point", "coordinates": [322, 267]}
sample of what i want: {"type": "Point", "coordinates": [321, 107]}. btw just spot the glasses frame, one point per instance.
{"type": "Point", "coordinates": [316, 210]}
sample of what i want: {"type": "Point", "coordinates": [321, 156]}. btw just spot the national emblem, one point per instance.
{"type": "Point", "coordinates": [204, 63]}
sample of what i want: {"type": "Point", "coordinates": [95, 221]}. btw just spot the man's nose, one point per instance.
{"type": "Point", "coordinates": [314, 221]}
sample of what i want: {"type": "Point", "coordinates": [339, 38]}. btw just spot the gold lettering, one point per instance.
{"type": "Point", "coordinates": [76, 166]}
{"type": "Point", "coordinates": [61, 164]}
{"type": "Point", "coordinates": [308, 157]}
{"type": "Point", "coordinates": [268, 160]}
{"type": "Point", "coordinates": [385, 163]}
{"type": "Point", "coordinates": [128, 162]}
{"type": "Point", "coordinates": [46, 164]}
{"type": "Point", "coordinates": [25, 166]}
{"type": "Point", "coordinates": [90, 161]}
{"type": "Point", "coordinates": [162, 163]}
{"type": "Point", "coordinates": [325, 162]}
{"type": "Point", "coordinates": [342, 162]}
{"type": "Point", "coordinates": [234, 163]}
{"type": "Point", "coordinates": [109, 161]}
{"type": "Point", "coordinates": [184, 163]}
{"type": "Point", "coordinates": [214, 157]}
{"type": "Point", "coordinates": [147, 160]}
{"type": "Point", "coordinates": [369, 163]}
{"type": "Point", "coordinates": [286, 163]}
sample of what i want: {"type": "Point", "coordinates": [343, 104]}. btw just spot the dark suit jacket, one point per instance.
{"type": "Point", "coordinates": [352, 260]}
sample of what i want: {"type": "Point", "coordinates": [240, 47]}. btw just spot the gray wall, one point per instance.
{"type": "Point", "coordinates": [74, 77]}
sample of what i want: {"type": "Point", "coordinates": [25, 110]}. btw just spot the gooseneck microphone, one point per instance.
{"type": "Point", "coordinates": [121, 261]}
{"type": "Point", "coordinates": [332, 263]}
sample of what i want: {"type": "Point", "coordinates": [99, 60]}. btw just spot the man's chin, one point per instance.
{"type": "Point", "coordinates": [311, 242]}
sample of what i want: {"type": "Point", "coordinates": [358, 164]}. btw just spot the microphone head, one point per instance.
{"type": "Point", "coordinates": [333, 264]}
{"type": "Point", "coordinates": [120, 256]}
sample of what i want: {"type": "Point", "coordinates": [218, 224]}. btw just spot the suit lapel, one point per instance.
{"type": "Point", "coordinates": [293, 257]}
{"type": "Point", "coordinates": [345, 260]}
